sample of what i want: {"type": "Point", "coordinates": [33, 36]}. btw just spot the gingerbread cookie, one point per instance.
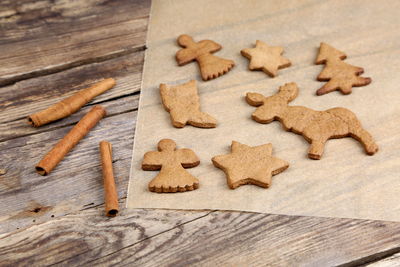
{"type": "Point", "coordinates": [182, 102]}
{"type": "Point", "coordinates": [340, 75]}
{"type": "Point", "coordinates": [249, 165]}
{"type": "Point", "coordinates": [210, 66]}
{"type": "Point", "coordinates": [315, 126]}
{"type": "Point", "coordinates": [266, 58]}
{"type": "Point", "coordinates": [171, 163]}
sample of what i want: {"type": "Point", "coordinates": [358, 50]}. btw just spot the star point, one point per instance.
{"type": "Point", "coordinates": [249, 165]}
{"type": "Point", "coordinates": [267, 58]}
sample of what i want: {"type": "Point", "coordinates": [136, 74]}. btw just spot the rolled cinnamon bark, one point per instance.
{"type": "Point", "coordinates": [110, 191]}
{"type": "Point", "coordinates": [71, 104]}
{"type": "Point", "coordinates": [70, 140]}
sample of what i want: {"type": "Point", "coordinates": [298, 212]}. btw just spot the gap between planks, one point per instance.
{"type": "Point", "coordinates": [74, 122]}
{"type": "Point", "coordinates": [56, 36]}
{"type": "Point", "coordinates": [374, 258]}
{"type": "Point", "coordinates": [17, 106]}
{"type": "Point", "coordinates": [53, 70]}
{"type": "Point", "coordinates": [274, 221]}
{"type": "Point", "coordinates": [142, 240]}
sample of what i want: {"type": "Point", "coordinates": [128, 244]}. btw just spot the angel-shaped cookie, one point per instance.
{"type": "Point", "coordinates": [171, 163]}
{"type": "Point", "coordinates": [182, 102]}
{"type": "Point", "coordinates": [210, 66]}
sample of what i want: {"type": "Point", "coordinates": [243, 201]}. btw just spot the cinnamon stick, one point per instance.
{"type": "Point", "coordinates": [69, 141]}
{"type": "Point", "coordinates": [110, 191]}
{"type": "Point", "coordinates": [71, 104]}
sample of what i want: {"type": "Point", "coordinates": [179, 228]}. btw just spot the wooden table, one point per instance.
{"type": "Point", "coordinates": [49, 50]}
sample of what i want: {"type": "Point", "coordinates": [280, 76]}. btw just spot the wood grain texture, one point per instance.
{"type": "Point", "coordinates": [74, 184]}
{"type": "Point", "coordinates": [41, 37]}
{"type": "Point", "coordinates": [30, 96]}
{"type": "Point", "coordinates": [25, 97]}
{"type": "Point", "coordinates": [247, 239]}
{"type": "Point", "coordinates": [182, 238]}
{"type": "Point", "coordinates": [75, 239]}
{"type": "Point", "coordinates": [393, 260]}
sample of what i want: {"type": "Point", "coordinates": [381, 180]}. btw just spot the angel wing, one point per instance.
{"type": "Point", "coordinates": [209, 46]}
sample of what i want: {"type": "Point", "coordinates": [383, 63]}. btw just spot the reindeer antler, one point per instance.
{"type": "Point", "coordinates": [289, 91]}
{"type": "Point", "coordinates": [255, 99]}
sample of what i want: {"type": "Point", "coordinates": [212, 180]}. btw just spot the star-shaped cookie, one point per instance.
{"type": "Point", "coordinates": [266, 58]}
{"type": "Point", "coordinates": [249, 165]}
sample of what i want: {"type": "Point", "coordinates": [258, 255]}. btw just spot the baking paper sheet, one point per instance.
{"type": "Point", "coordinates": [345, 182]}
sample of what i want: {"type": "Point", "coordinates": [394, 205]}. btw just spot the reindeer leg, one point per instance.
{"type": "Point", "coordinates": [365, 139]}
{"type": "Point", "coordinates": [316, 149]}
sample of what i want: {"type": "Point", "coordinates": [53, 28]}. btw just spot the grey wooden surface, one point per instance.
{"type": "Point", "coordinates": [51, 49]}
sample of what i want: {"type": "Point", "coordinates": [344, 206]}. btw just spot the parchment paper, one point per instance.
{"type": "Point", "coordinates": [345, 182]}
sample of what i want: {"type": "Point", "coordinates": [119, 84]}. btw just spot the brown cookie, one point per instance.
{"type": "Point", "coordinates": [249, 165]}
{"type": "Point", "coordinates": [266, 58]}
{"type": "Point", "coordinates": [315, 126]}
{"type": "Point", "coordinates": [210, 66]}
{"type": "Point", "coordinates": [171, 163]}
{"type": "Point", "coordinates": [182, 102]}
{"type": "Point", "coordinates": [340, 75]}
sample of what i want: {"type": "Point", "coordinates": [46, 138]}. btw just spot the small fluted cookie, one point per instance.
{"type": "Point", "coordinates": [210, 66]}
{"type": "Point", "coordinates": [249, 165]}
{"type": "Point", "coordinates": [171, 163]}
{"type": "Point", "coordinates": [183, 104]}
{"type": "Point", "coordinates": [340, 75]}
{"type": "Point", "coordinates": [266, 58]}
{"type": "Point", "coordinates": [316, 126]}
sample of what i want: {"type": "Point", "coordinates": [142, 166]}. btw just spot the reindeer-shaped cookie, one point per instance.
{"type": "Point", "coordinates": [210, 66]}
{"type": "Point", "coordinates": [315, 126]}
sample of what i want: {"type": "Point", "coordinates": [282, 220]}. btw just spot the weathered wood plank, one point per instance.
{"type": "Point", "coordinates": [234, 239]}
{"type": "Point", "coordinates": [182, 238]}
{"type": "Point", "coordinates": [40, 37]}
{"type": "Point", "coordinates": [393, 260]}
{"type": "Point", "coordinates": [86, 233]}
{"type": "Point", "coordinates": [29, 96]}
{"type": "Point", "coordinates": [76, 183]}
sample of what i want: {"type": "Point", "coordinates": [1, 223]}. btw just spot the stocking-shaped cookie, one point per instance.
{"type": "Point", "coordinates": [171, 163]}
{"type": "Point", "coordinates": [210, 66]}
{"type": "Point", "coordinates": [182, 102]}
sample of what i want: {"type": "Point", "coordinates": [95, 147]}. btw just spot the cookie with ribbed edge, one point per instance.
{"type": "Point", "coordinates": [210, 66]}
{"type": "Point", "coordinates": [171, 163]}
